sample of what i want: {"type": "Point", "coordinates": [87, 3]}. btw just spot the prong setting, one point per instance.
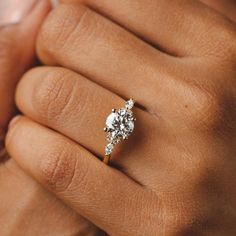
{"type": "Point", "coordinates": [119, 125]}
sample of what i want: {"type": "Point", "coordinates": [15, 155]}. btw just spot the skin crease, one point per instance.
{"type": "Point", "coordinates": [37, 194]}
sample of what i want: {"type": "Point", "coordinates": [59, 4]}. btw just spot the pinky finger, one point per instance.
{"type": "Point", "coordinates": [98, 192]}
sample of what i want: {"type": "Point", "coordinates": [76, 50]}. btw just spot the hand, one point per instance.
{"type": "Point", "coordinates": [176, 174]}
{"type": "Point", "coordinates": [24, 205]}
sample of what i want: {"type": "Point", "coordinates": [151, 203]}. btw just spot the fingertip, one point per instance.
{"type": "Point", "coordinates": [23, 94]}
{"type": "Point", "coordinates": [14, 120]}
{"type": "Point", "coordinates": [11, 132]}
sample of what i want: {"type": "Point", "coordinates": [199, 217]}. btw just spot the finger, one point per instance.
{"type": "Point", "coordinates": [76, 107]}
{"type": "Point", "coordinates": [22, 215]}
{"type": "Point", "coordinates": [179, 27]}
{"type": "Point", "coordinates": [88, 43]}
{"type": "Point", "coordinates": [19, 22]}
{"type": "Point", "coordinates": [226, 7]}
{"type": "Point", "coordinates": [82, 181]}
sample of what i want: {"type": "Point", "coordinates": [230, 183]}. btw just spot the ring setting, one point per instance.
{"type": "Point", "coordinates": [119, 126]}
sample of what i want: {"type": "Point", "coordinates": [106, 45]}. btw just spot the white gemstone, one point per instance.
{"type": "Point", "coordinates": [110, 120]}
{"type": "Point", "coordinates": [122, 112]}
{"type": "Point", "coordinates": [131, 125]}
{"type": "Point", "coordinates": [109, 149]}
{"type": "Point", "coordinates": [129, 104]}
{"type": "Point", "coordinates": [120, 125]}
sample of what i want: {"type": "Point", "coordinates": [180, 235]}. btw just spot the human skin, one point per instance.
{"type": "Point", "coordinates": [25, 207]}
{"type": "Point", "coordinates": [227, 7]}
{"type": "Point", "coordinates": [176, 174]}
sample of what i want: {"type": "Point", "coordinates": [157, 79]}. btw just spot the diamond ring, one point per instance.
{"type": "Point", "coordinates": [119, 126]}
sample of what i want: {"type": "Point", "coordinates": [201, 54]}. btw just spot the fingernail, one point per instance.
{"type": "Point", "coordinates": [13, 11]}
{"type": "Point", "coordinates": [14, 120]}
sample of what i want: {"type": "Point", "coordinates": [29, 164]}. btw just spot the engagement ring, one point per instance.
{"type": "Point", "coordinates": [119, 126]}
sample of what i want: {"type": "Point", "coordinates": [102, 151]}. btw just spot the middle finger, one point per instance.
{"type": "Point", "coordinates": [82, 40]}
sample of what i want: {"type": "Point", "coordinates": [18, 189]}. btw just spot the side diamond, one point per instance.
{"type": "Point", "coordinates": [109, 149]}
{"type": "Point", "coordinates": [129, 104]}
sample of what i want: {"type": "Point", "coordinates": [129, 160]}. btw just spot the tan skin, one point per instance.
{"type": "Point", "coordinates": [26, 208]}
{"type": "Point", "coordinates": [177, 170]}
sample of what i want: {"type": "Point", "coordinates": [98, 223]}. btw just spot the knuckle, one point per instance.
{"type": "Point", "coordinates": [207, 111]}
{"type": "Point", "coordinates": [224, 47]}
{"type": "Point", "coordinates": [217, 115]}
{"type": "Point", "coordinates": [59, 29]}
{"type": "Point", "coordinates": [58, 168]}
{"type": "Point", "coordinates": [53, 95]}
{"type": "Point", "coordinates": [228, 36]}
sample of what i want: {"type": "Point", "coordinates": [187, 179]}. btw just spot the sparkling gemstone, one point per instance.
{"type": "Point", "coordinates": [120, 124]}
{"type": "Point", "coordinates": [110, 120]}
{"type": "Point", "coordinates": [109, 149]}
{"type": "Point", "coordinates": [129, 104]}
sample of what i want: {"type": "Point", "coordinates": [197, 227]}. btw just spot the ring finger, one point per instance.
{"type": "Point", "coordinates": [76, 107]}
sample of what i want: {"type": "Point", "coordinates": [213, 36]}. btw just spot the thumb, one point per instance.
{"type": "Point", "coordinates": [19, 23]}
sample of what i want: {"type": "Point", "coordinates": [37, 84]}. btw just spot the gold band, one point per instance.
{"type": "Point", "coordinates": [106, 159]}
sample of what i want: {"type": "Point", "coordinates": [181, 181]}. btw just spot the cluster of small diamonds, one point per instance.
{"type": "Point", "coordinates": [119, 125]}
